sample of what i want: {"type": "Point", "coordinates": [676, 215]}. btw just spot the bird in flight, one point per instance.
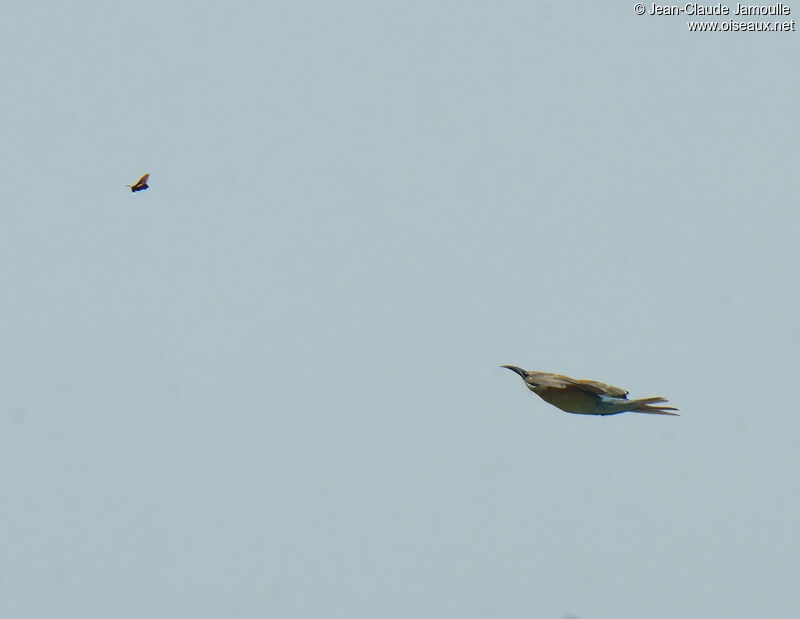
{"type": "Point", "coordinates": [588, 397]}
{"type": "Point", "coordinates": [140, 185]}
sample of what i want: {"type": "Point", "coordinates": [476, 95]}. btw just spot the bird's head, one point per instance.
{"type": "Point", "coordinates": [527, 377]}
{"type": "Point", "coordinates": [514, 368]}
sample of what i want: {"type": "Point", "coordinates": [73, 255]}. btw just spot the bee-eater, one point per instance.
{"type": "Point", "coordinates": [587, 397]}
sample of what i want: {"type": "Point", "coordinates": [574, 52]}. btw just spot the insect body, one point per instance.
{"type": "Point", "coordinates": [140, 185]}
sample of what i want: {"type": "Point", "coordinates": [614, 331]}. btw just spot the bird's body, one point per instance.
{"type": "Point", "coordinates": [140, 185]}
{"type": "Point", "coordinates": [587, 397]}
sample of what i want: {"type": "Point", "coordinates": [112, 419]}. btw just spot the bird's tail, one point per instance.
{"type": "Point", "coordinates": [643, 406]}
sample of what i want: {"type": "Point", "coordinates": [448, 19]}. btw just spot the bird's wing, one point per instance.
{"type": "Point", "coordinates": [554, 381]}
{"type": "Point", "coordinates": [143, 180]}
{"type": "Point", "coordinates": [598, 388]}
{"type": "Point", "coordinates": [558, 381]}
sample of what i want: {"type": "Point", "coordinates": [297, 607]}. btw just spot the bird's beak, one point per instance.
{"type": "Point", "coordinates": [514, 368]}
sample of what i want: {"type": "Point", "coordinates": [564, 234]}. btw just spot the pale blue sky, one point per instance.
{"type": "Point", "coordinates": [269, 386]}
